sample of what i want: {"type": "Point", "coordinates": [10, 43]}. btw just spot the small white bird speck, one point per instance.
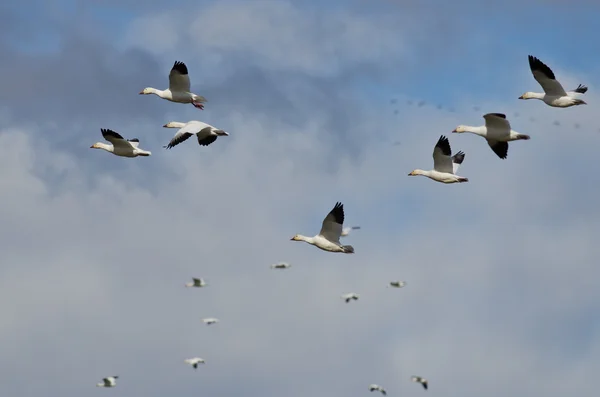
{"type": "Point", "coordinates": [397, 284]}
{"type": "Point", "coordinates": [281, 265]}
{"type": "Point", "coordinates": [420, 380]}
{"type": "Point", "coordinates": [210, 320]}
{"type": "Point", "coordinates": [194, 361]}
{"type": "Point", "coordinates": [375, 387]}
{"type": "Point", "coordinates": [198, 282]}
{"type": "Point", "coordinates": [110, 381]}
{"type": "Point", "coordinates": [348, 297]}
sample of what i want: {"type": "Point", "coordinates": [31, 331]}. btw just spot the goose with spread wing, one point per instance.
{"type": "Point", "coordinates": [445, 166]}
{"type": "Point", "coordinates": [554, 94]}
{"type": "Point", "coordinates": [120, 146]}
{"type": "Point", "coordinates": [179, 88]}
{"type": "Point", "coordinates": [205, 133]}
{"type": "Point", "coordinates": [350, 296]}
{"type": "Point", "coordinates": [497, 131]}
{"type": "Point", "coordinates": [194, 361]}
{"type": "Point", "coordinates": [378, 388]}
{"type": "Point", "coordinates": [328, 238]}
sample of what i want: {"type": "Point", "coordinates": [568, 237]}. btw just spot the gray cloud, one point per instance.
{"type": "Point", "coordinates": [95, 249]}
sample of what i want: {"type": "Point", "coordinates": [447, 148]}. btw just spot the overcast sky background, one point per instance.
{"type": "Point", "coordinates": [324, 102]}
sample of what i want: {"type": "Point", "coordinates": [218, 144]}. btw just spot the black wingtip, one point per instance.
{"type": "Point", "coordinates": [180, 67]}
{"type": "Point", "coordinates": [338, 213]}
{"type": "Point", "coordinates": [459, 157]}
{"type": "Point", "coordinates": [501, 115]}
{"type": "Point", "coordinates": [581, 89]}
{"type": "Point", "coordinates": [134, 140]}
{"type": "Point", "coordinates": [536, 65]}
{"type": "Point", "coordinates": [444, 145]}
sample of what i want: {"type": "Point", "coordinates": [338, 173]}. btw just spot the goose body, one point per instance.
{"type": "Point", "coordinates": [420, 380]}
{"type": "Point", "coordinates": [120, 146]}
{"type": "Point", "coordinates": [445, 166]}
{"type": "Point", "coordinates": [373, 387]}
{"type": "Point", "coordinates": [179, 88]}
{"type": "Point", "coordinates": [110, 381]}
{"type": "Point", "coordinates": [497, 132]}
{"type": "Point", "coordinates": [205, 133]}
{"type": "Point", "coordinates": [210, 320]}
{"type": "Point", "coordinates": [397, 284]}
{"type": "Point", "coordinates": [194, 361]}
{"type": "Point", "coordinates": [196, 282]}
{"type": "Point", "coordinates": [350, 296]}
{"type": "Point", "coordinates": [328, 238]}
{"type": "Point", "coordinates": [554, 94]}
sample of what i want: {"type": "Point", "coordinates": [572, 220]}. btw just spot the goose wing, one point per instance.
{"type": "Point", "coordinates": [457, 160]}
{"type": "Point", "coordinates": [179, 80]}
{"type": "Point", "coordinates": [545, 77]}
{"type": "Point", "coordinates": [442, 162]}
{"type": "Point", "coordinates": [115, 138]}
{"type": "Point", "coordinates": [331, 228]}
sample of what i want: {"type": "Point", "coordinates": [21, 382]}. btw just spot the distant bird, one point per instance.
{"type": "Point", "coordinates": [554, 94]}
{"type": "Point", "coordinates": [347, 230]}
{"type": "Point", "coordinates": [348, 297]}
{"type": "Point", "coordinates": [393, 101]}
{"type": "Point", "coordinates": [375, 387]}
{"type": "Point", "coordinates": [194, 361]}
{"type": "Point", "coordinates": [205, 133]}
{"type": "Point", "coordinates": [110, 381]}
{"type": "Point", "coordinates": [198, 282]}
{"type": "Point", "coordinates": [576, 125]}
{"type": "Point", "coordinates": [120, 146]}
{"type": "Point", "coordinates": [179, 88]}
{"type": "Point", "coordinates": [281, 265]}
{"type": "Point", "coordinates": [328, 238]}
{"type": "Point", "coordinates": [210, 320]}
{"type": "Point", "coordinates": [496, 131]}
{"type": "Point", "coordinates": [397, 284]}
{"type": "Point", "coordinates": [444, 166]}
{"type": "Point", "coordinates": [421, 104]}
{"type": "Point", "coordinates": [420, 380]}
{"type": "Point", "coordinates": [556, 123]}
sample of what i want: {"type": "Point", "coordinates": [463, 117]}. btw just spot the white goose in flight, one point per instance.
{"type": "Point", "coordinates": [349, 296]}
{"type": "Point", "coordinates": [281, 265]}
{"type": "Point", "coordinates": [110, 381]}
{"type": "Point", "coordinates": [197, 282]}
{"type": "Point", "coordinates": [210, 320]}
{"type": "Point", "coordinates": [420, 380]}
{"type": "Point", "coordinates": [497, 131]}
{"type": "Point", "coordinates": [445, 166]}
{"type": "Point", "coordinates": [375, 387]}
{"type": "Point", "coordinates": [554, 94]}
{"type": "Point", "coordinates": [194, 361]}
{"type": "Point", "coordinates": [205, 133]}
{"type": "Point", "coordinates": [328, 238]}
{"type": "Point", "coordinates": [346, 231]}
{"type": "Point", "coordinates": [179, 88]}
{"type": "Point", "coordinates": [120, 146]}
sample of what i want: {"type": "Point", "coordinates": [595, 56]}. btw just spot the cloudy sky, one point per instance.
{"type": "Point", "coordinates": [324, 102]}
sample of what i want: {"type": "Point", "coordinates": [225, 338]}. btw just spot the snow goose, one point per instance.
{"type": "Point", "coordinates": [194, 361]}
{"type": "Point", "coordinates": [110, 381]}
{"type": "Point", "coordinates": [281, 265]}
{"type": "Point", "coordinates": [205, 133]}
{"type": "Point", "coordinates": [210, 320]}
{"type": "Point", "coordinates": [496, 131]}
{"type": "Point", "coordinates": [328, 238]}
{"type": "Point", "coordinates": [179, 88]}
{"type": "Point", "coordinates": [375, 387]}
{"type": "Point", "coordinates": [120, 146]}
{"type": "Point", "coordinates": [349, 296]}
{"type": "Point", "coordinates": [397, 284]}
{"type": "Point", "coordinates": [444, 167]}
{"type": "Point", "coordinates": [346, 231]}
{"type": "Point", "coordinates": [197, 282]}
{"type": "Point", "coordinates": [420, 380]}
{"type": "Point", "coordinates": [554, 94]}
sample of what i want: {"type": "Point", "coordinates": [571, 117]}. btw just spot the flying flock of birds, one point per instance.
{"type": "Point", "coordinates": [497, 132]}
